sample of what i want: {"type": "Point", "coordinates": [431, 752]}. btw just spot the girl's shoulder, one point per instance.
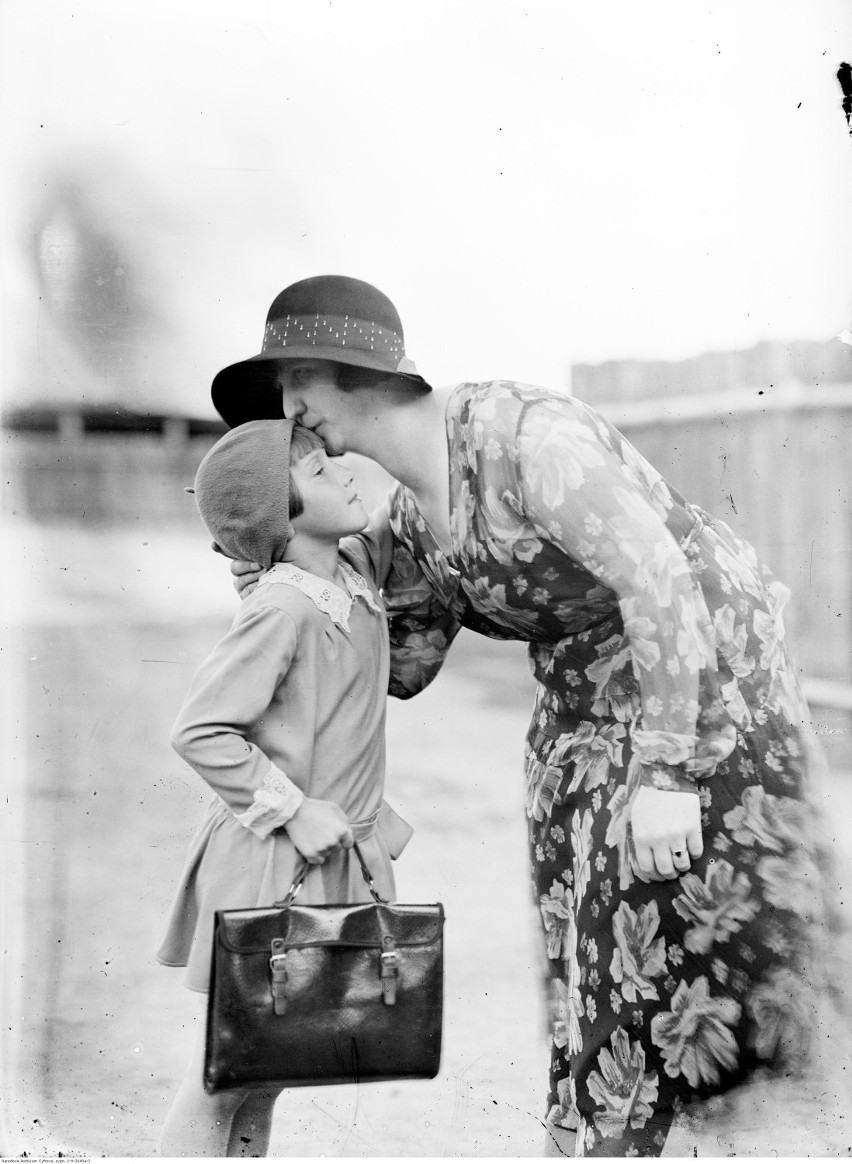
{"type": "Point", "coordinates": [278, 595]}
{"type": "Point", "coordinates": [310, 600]}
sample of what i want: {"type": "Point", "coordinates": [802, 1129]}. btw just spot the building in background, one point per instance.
{"type": "Point", "coordinates": [766, 367]}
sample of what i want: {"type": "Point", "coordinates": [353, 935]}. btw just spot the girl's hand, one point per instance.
{"type": "Point", "coordinates": [246, 575]}
{"type": "Point", "coordinates": [317, 828]}
{"type": "Point", "coordinates": [666, 830]}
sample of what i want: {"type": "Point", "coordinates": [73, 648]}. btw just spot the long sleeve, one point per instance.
{"type": "Point", "coordinates": [230, 693]}
{"type": "Point", "coordinates": [579, 494]}
{"type": "Point", "coordinates": [420, 625]}
{"type": "Point", "coordinates": [372, 548]}
{"type": "Point", "coordinates": [423, 608]}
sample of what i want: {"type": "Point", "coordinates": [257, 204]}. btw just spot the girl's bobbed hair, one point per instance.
{"type": "Point", "coordinates": [302, 442]}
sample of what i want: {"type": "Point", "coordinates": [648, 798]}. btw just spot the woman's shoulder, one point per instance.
{"type": "Point", "coordinates": [486, 400]}
{"type": "Point", "coordinates": [497, 414]}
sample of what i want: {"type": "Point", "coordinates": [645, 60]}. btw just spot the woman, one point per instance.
{"type": "Point", "coordinates": [669, 826]}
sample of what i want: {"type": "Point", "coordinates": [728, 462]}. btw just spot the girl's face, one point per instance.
{"type": "Point", "coordinates": [310, 395]}
{"type": "Point", "coordinates": [332, 508]}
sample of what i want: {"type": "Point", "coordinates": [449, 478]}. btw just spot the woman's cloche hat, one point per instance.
{"type": "Point", "coordinates": [328, 317]}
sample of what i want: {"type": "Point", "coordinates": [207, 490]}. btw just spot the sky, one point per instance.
{"type": "Point", "coordinates": [533, 184]}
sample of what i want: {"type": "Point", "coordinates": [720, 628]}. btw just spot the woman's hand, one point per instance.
{"type": "Point", "coordinates": [317, 828]}
{"type": "Point", "coordinates": [246, 575]}
{"type": "Point", "coordinates": [666, 829]}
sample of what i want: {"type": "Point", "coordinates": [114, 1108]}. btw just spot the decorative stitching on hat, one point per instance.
{"type": "Point", "coordinates": [336, 330]}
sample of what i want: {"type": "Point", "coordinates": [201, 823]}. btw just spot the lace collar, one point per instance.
{"type": "Point", "coordinates": [326, 597]}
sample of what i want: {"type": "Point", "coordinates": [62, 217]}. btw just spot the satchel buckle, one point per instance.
{"type": "Point", "coordinates": [390, 975]}
{"type": "Point", "coordinates": [278, 967]}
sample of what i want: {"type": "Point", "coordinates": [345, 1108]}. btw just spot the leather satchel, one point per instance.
{"type": "Point", "coordinates": [316, 994]}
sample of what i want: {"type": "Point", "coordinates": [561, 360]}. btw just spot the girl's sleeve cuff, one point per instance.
{"type": "Point", "coordinates": [275, 802]}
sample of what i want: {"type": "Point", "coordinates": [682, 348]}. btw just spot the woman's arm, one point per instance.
{"type": "Point", "coordinates": [576, 490]}
{"type": "Point", "coordinates": [422, 625]}
{"type": "Point", "coordinates": [246, 576]}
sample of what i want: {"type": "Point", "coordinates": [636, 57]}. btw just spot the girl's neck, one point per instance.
{"type": "Point", "coordinates": [315, 557]}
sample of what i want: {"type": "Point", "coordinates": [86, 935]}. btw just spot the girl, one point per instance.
{"type": "Point", "coordinates": [285, 721]}
{"type": "Point", "coordinates": [670, 821]}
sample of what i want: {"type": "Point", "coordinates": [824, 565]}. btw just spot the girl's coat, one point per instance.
{"type": "Point", "coordinates": [292, 700]}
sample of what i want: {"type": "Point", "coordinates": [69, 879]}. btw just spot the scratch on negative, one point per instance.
{"type": "Point", "coordinates": [844, 76]}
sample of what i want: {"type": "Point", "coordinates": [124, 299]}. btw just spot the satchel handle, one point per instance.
{"type": "Point", "coordinates": [299, 880]}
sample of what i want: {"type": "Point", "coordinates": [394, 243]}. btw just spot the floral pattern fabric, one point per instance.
{"type": "Point", "coordinates": [657, 641]}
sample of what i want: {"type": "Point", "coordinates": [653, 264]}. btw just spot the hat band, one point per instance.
{"type": "Point", "coordinates": [340, 331]}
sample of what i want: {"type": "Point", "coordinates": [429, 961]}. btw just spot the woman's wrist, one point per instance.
{"type": "Point", "coordinates": [666, 777]}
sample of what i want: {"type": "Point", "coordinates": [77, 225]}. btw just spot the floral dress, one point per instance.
{"type": "Point", "coordinates": [657, 643]}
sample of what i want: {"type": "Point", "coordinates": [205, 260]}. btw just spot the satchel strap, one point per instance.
{"type": "Point", "coordinates": [299, 880]}
{"type": "Point", "coordinates": [368, 877]}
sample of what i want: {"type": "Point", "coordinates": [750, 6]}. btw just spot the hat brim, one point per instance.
{"type": "Point", "coordinates": [249, 389]}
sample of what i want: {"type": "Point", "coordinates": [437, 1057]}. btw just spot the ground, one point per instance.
{"type": "Point", "coordinates": [108, 629]}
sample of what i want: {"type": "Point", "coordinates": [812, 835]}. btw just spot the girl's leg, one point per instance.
{"type": "Point", "coordinates": [252, 1123]}
{"type": "Point", "coordinates": [199, 1124]}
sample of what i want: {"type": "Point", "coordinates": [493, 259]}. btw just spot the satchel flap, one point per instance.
{"type": "Point", "coordinates": [247, 931]}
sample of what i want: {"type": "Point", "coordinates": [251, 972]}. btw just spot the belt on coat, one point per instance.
{"type": "Point", "coordinates": [396, 832]}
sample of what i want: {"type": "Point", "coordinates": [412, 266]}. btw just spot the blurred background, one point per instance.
{"type": "Point", "coordinates": [645, 205]}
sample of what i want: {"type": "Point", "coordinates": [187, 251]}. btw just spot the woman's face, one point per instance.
{"type": "Point", "coordinates": [310, 395]}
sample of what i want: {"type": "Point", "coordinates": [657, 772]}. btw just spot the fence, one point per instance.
{"type": "Point", "coordinates": [777, 467]}
{"type": "Point", "coordinates": [766, 365]}
{"type": "Point", "coordinates": [102, 466]}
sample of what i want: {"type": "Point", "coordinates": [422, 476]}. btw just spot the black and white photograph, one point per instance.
{"type": "Point", "coordinates": [426, 657]}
